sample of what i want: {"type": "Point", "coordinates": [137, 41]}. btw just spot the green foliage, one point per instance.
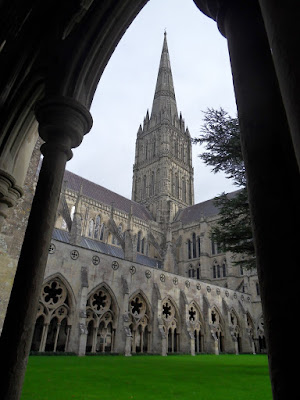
{"type": "Point", "coordinates": [204, 377]}
{"type": "Point", "coordinates": [220, 135]}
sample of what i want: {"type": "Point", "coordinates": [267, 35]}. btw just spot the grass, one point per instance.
{"type": "Point", "coordinates": [204, 377]}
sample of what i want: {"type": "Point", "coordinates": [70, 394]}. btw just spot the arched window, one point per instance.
{"type": "Point", "coordinates": [189, 246]}
{"type": "Point", "coordinates": [183, 190]}
{"type": "Point", "coordinates": [143, 245]}
{"type": "Point", "coordinates": [194, 246]}
{"type": "Point", "coordinates": [198, 246]}
{"type": "Point", "coordinates": [139, 239]}
{"type": "Point", "coordinates": [191, 272]}
{"type": "Point", "coordinates": [152, 184]}
{"type": "Point", "coordinates": [198, 271]}
{"type": "Point", "coordinates": [177, 186]}
{"type": "Point", "coordinates": [154, 148]}
{"type": "Point", "coordinates": [97, 227]}
{"type": "Point", "coordinates": [224, 269]}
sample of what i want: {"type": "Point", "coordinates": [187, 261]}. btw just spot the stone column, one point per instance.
{"type": "Point", "coordinates": [272, 178]}
{"type": "Point", "coordinates": [282, 26]}
{"type": "Point", "coordinates": [83, 331]}
{"type": "Point", "coordinates": [62, 124]}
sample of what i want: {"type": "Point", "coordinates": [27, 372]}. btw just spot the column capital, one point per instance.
{"type": "Point", "coordinates": [63, 122]}
{"type": "Point", "coordinates": [9, 192]}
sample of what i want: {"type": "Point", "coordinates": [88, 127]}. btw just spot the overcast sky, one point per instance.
{"type": "Point", "coordinates": [202, 78]}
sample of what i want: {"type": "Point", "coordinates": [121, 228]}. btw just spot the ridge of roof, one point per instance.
{"type": "Point", "coordinates": [103, 195]}
{"type": "Point", "coordinates": [206, 208]}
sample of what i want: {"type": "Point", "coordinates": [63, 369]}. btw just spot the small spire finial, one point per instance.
{"type": "Point", "coordinates": [165, 32]}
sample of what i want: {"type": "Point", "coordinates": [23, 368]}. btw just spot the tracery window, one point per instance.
{"type": "Point", "coordinates": [194, 325]}
{"type": "Point", "coordinates": [140, 325]}
{"type": "Point", "coordinates": [171, 324]}
{"type": "Point", "coordinates": [100, 321]}
{"type": "Point", "coordinates": [234, 328]}
{"type": "Point", "coordinates": [52, 328]}
{"type": "Point", "coordinates": [194, 245]}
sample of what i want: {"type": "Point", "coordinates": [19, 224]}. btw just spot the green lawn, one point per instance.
{"type": "Point", "coordinates": [204, 377]}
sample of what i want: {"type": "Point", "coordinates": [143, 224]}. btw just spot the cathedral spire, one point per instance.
{"type": "Point", "coordinates": [164, 102]}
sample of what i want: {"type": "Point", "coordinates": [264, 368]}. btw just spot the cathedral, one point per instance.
{"type": "Point", "coordinates": [144, 275]}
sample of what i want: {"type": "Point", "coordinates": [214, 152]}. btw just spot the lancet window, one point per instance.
{"type": "Point", "coordinates": [100, 321]}
{"type": "Point", "coordinates": [195, 327]}
{"type": "Point", "coordinates": [53, 324]}
{"type": "Point", "coordinates": [140, 325]}
{"type": "Point", "coordinates": [171, 325]}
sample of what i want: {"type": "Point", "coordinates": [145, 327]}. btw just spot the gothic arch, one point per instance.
{"type": "Point", "coordinates": [235, 328]}
{"type": "Point", "coordinates": [171, 322]}
{"type": "Point", "coordinates": [217, 328]}
{"type": "Point", "coordinates": [140, 315]}
{"type": "Point", "coordinates": [54, 316]}
{"type": "Point", "coordinates": [102, 316]}
{"type": "Point", "coordinates": [196, 325]}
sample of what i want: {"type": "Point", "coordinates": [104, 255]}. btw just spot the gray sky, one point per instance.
{"type": "Point", "coordinates": [202, 78]}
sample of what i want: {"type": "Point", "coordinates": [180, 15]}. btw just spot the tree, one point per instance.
{"type": "Point", "coordinates": [220, 135]}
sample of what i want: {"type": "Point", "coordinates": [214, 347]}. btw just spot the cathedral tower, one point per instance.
{"type": "Point", "coordinates": [163, 173]}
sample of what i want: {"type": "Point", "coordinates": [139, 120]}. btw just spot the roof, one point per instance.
{"type": "Point", "coordinates": [101, 194]}
{"type": "Point", "coordinates": [204, 209]}
{"type": "Point", "coordinates": [104, 248]}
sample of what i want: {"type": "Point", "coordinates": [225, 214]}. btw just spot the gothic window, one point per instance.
{"type": "Point", "coordinates": [143, 245]}
{"type": "Point", "coordinates": [198, 271]}
{"type": "Point", "coordinates": [194, 326]}
{"type": "Point", "coordinates": [189, 246]}
{"type": "Point", "coordinates": [100, 321]}
{"type": "Point", "coordinates": [177, 186]}
{"type": "Point", "coordinates": [191, 272]}
{"type": "Point", "coordinates": [198, 246]}
{"type": "Point", "coordinates": [214, 271]}
{"type": "Point", "coordinates": [194, 245]}
{"type": "Point", "coordinates": [176, 148]}
{"type": "Point", "coordinates": [146, 151]}
{"type": "Point", "coordinates": [224, 269]}
{"type": "Point", "coordinates": [52, 324]}
{"type": "Point", "coordinates": [91, 228]}
{"type": "Point", "coordinates": [140, 324]}
{"type": "Point", "coordinates": [97, 227]}
{"type": "Point", "coordinates": [139, 240]}
{"type": "Point", "coordinates": [152, 184]}
{"type": "Point", "coordinates": [183, 190]}
{"type": "Point", "coordinates": [171, 325]}
{"type": "Point", "coordinates": [154, 148]}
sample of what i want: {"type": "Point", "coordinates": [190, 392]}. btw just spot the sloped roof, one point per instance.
{"type": "Point", "coordinates": [104, 248]}
{"type": "Point", "coordinates": [204, 209]}
{"type": "Point", "coordinates": [103, 195]}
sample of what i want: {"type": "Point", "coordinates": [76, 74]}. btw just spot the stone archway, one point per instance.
{"type": "Point", "coordinates": [171, 324]}
{"type": "Point", "coordinates": [53, 321]}
{"type": "Point", "coordinates": [101, 321]}
{"type": "Point", "coordinates": [140, 323]}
